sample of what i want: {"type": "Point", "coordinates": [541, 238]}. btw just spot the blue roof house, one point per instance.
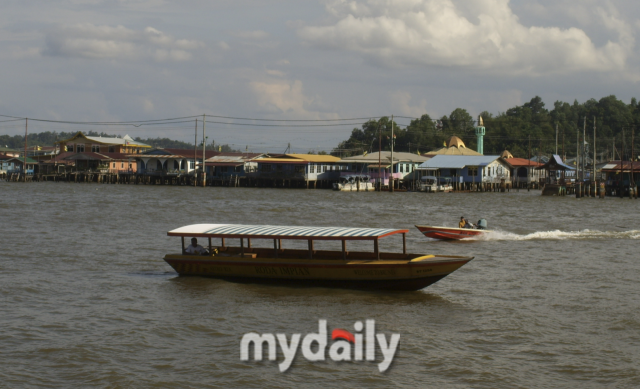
{"type": "Point", "coordinates": [467, 169]}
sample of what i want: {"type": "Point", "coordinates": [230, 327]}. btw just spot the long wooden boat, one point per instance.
{"type": "Point", "coordinates": [274, 264]}
{"type": "Point", "coordinates": [450, 233]}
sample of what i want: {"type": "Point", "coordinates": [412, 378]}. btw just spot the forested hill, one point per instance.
{"type": "Point", "coordinates": [524, 130]}
{"type": "Point", "coordinates": [48, 138]}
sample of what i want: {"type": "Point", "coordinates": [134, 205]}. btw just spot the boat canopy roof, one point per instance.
{"type": "Point", "coordinates": [283, 232]}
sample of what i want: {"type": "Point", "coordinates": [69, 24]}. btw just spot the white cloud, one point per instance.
{"type": "Point", "coordinates": [282, 96]}
{"type": "Point", "coordinates": [106, 42]}
{"type": "Point", "coordinates": [483, 35]}
{"type": "Point", "coordinates": [402, 102]}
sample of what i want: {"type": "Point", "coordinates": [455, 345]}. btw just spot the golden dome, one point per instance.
{"type": "Point", "coordinates": [506, 154]}
{"type": "Point", "coordinates": [455, 141]}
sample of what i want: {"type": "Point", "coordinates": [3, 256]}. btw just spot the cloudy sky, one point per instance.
{"type": "Point", "coordinates": [121, 60]}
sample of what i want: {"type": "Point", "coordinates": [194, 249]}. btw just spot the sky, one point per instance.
{"type": "Point", "coordinates": [327, 60]}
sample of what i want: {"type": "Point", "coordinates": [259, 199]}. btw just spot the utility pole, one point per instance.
{"type": "Point", "coordinates": [379, 157]}
{"type": "Point", "coordinates": [529, 167]}
{"type": "Point", "coordinates": [24, 168]}
{"type": "Point", "coordinates": [594, 149]}
{"type": "Point", "coordinates": [556, 138]}
{"type": "Point", "coordinates": [577, 154]}
{"type": "Point", "coordinates": [632, 183]}
{"type": "Point", "coordinates": [195, 153]}
{"type": "Point", "coordinates": [584, 140]}
{"type": "Point", "coordinates": [204, 145]}
{"type": "Point", "coordinates": [392, 182]}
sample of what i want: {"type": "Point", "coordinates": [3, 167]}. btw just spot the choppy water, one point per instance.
{"type": "Point", "coordinates": [551, 300]}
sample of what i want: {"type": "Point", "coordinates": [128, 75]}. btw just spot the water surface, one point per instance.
{"type": "Point", "coordinates": [550, 300]}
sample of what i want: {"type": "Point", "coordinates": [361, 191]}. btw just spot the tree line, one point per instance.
{"type": "Point", "coordinates": [526, 131]}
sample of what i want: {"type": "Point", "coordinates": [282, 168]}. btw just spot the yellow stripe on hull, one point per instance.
{"type": "Point", "coordinates": [305, 269]}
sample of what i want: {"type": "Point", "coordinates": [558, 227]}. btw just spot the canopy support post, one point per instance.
{"type": "Point", "coordinates": [209, 245]}
{"type": "Point", "coordinates": [404, 243]}
{"type": "Point", "coordinates": [242, 247]}
{"type": "Point", "coordinates": [275, 247]}
{"type": "Point", "coordinates": [375, 248]}
{"type": "Point", "coordinates": [279, 244]}
{"type": "Point", "coordinates": [310, 249]}
{"type": "Point", "coordinates": [344, 249]}
{"type": "Point", "coordinates": [248, 243]}
{"type": "Point", "coordinates": [222, 242]}
{"type": "Point", "coordinates": [182, 244]}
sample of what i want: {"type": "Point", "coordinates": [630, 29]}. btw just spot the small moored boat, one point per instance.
{"type": "Point", "coordinates": [354, 183]}
{"type": "Point", "coordinates": [450, 233]}
{"type": "Point", "coordinates": [340, 268]}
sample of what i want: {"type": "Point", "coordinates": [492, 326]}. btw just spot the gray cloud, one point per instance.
{"type": "Point", "coordinates": [107, 42]}
{"type": "Point", "coordinates": [483, 35]}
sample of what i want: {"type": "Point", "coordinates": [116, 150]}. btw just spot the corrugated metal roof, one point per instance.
{"type": "Point", "coordinates": [227, 159]}
{"type": "Point", "coordinates": [106, 140]}
{"type": "Point", "coordinates": [315, 158]}
{"type": "Point", "coordinates": [614, 167]}
{"type": "Point", "coordinates": [521, 162]}
{"type": "Point", "coordinates": [385, 155]}
{"type": "Point", "coordinates": [457, 161]}
{"type": "Point", "coordinates": [555, 161]}
{"type": "Point", "coordinates": [21, 159]}
{"type": "Point", "coordinates": [282, 160]}
{"type": "Point", "coordinates": [454, 151]}
{"type": "Point", "coordinates": [159, 156]}
{"type": "Point", "coordinates": [283, 232]}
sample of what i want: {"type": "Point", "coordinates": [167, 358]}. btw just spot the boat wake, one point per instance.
{"type": "Point", "coordinates": [560, 235]}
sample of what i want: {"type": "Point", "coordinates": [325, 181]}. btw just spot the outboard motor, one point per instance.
{"type": "Point", "coordinates": [482, 224]}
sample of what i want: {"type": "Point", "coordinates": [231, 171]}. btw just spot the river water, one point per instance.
{"type": "Point", "coordinates": [551, 299]}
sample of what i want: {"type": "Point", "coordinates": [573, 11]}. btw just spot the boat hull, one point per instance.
{"type": "Point", "coordinates": [364, 187]}
{"type": "Point", "coordinates": [407, 275]}
{"type": "Point", "coordinates": [447, 233]}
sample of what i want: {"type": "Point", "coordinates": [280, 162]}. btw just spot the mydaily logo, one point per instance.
{"type": "Point", "coordinates": [345, 345]}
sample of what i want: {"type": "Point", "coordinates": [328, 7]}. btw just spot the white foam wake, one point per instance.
{"type": "Point", "coordinates": [560, 235]}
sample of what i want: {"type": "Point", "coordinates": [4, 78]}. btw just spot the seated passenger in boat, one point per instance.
{"type": "Point", "coordinates": [464, 223]}
{"type": "Point", "coordinates": [195, 249]}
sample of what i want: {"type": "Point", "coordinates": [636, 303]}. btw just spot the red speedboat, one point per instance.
{"type": "Point", "coordinates": [450, 233]}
